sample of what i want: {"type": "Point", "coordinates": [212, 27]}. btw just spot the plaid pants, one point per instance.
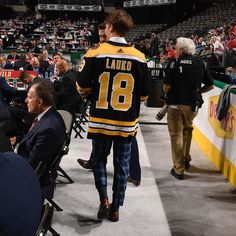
{"type": "Point", "coordinates": [121, 157]}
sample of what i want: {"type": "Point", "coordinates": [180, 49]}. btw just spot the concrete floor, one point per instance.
{"type": "Point", "coordinates": [201, 205]}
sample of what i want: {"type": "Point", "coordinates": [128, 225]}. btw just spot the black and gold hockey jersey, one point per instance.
{"type": "Point", "coordinates": [117, 76]}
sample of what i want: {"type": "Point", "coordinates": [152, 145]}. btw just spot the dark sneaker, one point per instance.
{"type": "Point", "coordinates": [85, 164]}
{"type": "Point", "coordinates": [177, 176]}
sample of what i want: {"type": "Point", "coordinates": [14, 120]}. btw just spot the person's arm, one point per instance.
{"type": "Point", "coordinates": [169, 76]}
{"type": "Point", "coordinates": [84, 79]}
{"type": "Point", "coordinates": [43, 150]}
{"type": "Point", "coordinates": [4, 113]}
{"type": "Point", "coordinates": [206, 88]}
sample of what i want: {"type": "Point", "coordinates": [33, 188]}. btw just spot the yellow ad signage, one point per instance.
{"type": "Point", "coordinates": [226, 127]}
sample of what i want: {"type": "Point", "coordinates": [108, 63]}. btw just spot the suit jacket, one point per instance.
{"type": "Point", "coordinates": [20, 63]}
{"type": "Point", "coordinates": [43, 142]}
{"type": "Point", "coordinates": [4, 113]}
{"type": "Point", "coordinates": [20, 198]}
{"type": "Point", "coordinates": [5, 145]}
{"type": "Point", "coordinates": [6, 91]}
{"type": "Point", "coordinates": [39, 70]}
{"type": "Point", "coordinates": [13, 58]}
{"type": "Point", "coordinates": [65, 92]}
{"type": "Point", "coordinates": [8, 66]}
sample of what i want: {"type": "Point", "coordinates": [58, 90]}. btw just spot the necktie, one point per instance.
{"type": "Point", "coordinates": [33, 124]}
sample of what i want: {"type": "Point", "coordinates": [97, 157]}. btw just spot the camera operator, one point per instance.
{"type": "Point", "coordinates": [183, 85]}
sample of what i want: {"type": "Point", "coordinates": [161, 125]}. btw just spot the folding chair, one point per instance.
{"type": "Point", "coordinates": [68, 120]}
{"type": "Point", "coordinates": [81, 118]}
{"type": "Point", "coordinates": [48, 190]}
{"type": "Point", "coordinates": [46, 221]}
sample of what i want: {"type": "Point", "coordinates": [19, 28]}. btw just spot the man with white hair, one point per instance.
{"type": "Point", "coordinates": [183, 85]}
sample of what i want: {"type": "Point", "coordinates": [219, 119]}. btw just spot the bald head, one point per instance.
{"type": "Point", "coordinates": [62, 66]}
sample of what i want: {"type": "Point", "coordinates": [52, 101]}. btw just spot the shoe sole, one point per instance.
{"type": "Point", "coordinates": [177, 176]}
{"type": "Point", "coordinates": [103, 215]}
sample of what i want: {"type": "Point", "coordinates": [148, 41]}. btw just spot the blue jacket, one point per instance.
{"type": "Point", "coordinates": [43, 142]}
{"type": "Point", "coordinates": [6, 91]}
{"type": "Point", "coordinates": [20, 198]}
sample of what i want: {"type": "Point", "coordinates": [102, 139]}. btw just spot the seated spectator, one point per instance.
{"type": "Point", "coordinates": [218, 46]}
{"type": "Point", "coordinates": [1, 46]}
{"type": "Point", "coordinates": [4, 64]}
{"type": "Point", "coordinates": [233, 29]}
{"type": "Point", "coordinates": [34, 47]}
{"type": "Point", "coordinates": [47, 133]}
{"type": "Point", "coordinates": [20, 198]}
{"type": "Point", "coordinates": [7, 93]}
{"type": "Point", "coordinates": [35, 66]}
{"type": "Point", "coordinates": [13, 55]}
{"type": "Point", "coordinates": [43, 60]}
{"type": "Point", "coordinates": [51, 46]}
{"type": "Point", "coordinates": [231, 71]}
{"type": "Point", "coordinates": [200, 45]}
{"type": "Point", "coordinates": [21, 64]}
{"type": "Point", "coordinates": [62, 46]}
{"type": "Point", "coordinates": [52, 67]}
{"type": "Point", "coordinates": [231, 44]}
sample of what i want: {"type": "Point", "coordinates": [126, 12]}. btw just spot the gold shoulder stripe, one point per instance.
{"type": "Point", "coordinates": [106, 48]}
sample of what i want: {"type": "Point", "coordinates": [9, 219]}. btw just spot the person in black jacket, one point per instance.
{"type": "Point", "coordinates": [21, 63]}
{"type": "Point", "coordinates": [183, 81]}
{"type": "Point", "coordinates": [65, 88]}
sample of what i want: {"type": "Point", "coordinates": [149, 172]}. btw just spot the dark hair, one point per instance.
{"type": "Point", "coordinates": [45, 91]}
{"type": "Point", "coordinates": [121, 21]}
{"type": "Point", "coordinates": [102, 26]}
{"type": "Point", "coordinates": [56, 54]}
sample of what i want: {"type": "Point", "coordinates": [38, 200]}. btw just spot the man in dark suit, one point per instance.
{"type": "Point", "coordinates": [47, 133]}
{"type": "Point", "coordinates": [66, 94]}
{"type": "Point", "coordinates": [21, 63]}
{"type": "Point", "coordinates": [20, 198]}
{"type": "Point", "coordinates": [13, 55]}
{"type": "Point", "coordinates": [35, 66]}
{"type": "Point", "coordinates": [4, 64]}
{"type": "Point", "coordinates": [6, 92]}
{"type": "Point", "coordinates": [52, 66]}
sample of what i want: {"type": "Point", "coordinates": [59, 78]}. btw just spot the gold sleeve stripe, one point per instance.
{"type": "Point", "coordinates": [114, 122]}
{"type": "Point", "coordinates": [112, 133]}
{"type": "Point", "coordinates": [106, 48]}
{"type": "Point", "coordinates": [80, 89]}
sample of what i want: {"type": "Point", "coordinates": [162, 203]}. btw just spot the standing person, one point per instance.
{"type": "Point", "coordinates": [183, 85]}
{"type": "Point", "coordinates": [87, 164]}
{"type": "Point", "coordinates": [134, 167]}
{"type": "Point", "coordinates": [116, 75]}
{"type": "Point", "coordinates": [65, 88]}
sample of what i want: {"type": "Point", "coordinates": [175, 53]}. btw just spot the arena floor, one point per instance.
{"type": "Point", "coordinates": [204, 204]}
